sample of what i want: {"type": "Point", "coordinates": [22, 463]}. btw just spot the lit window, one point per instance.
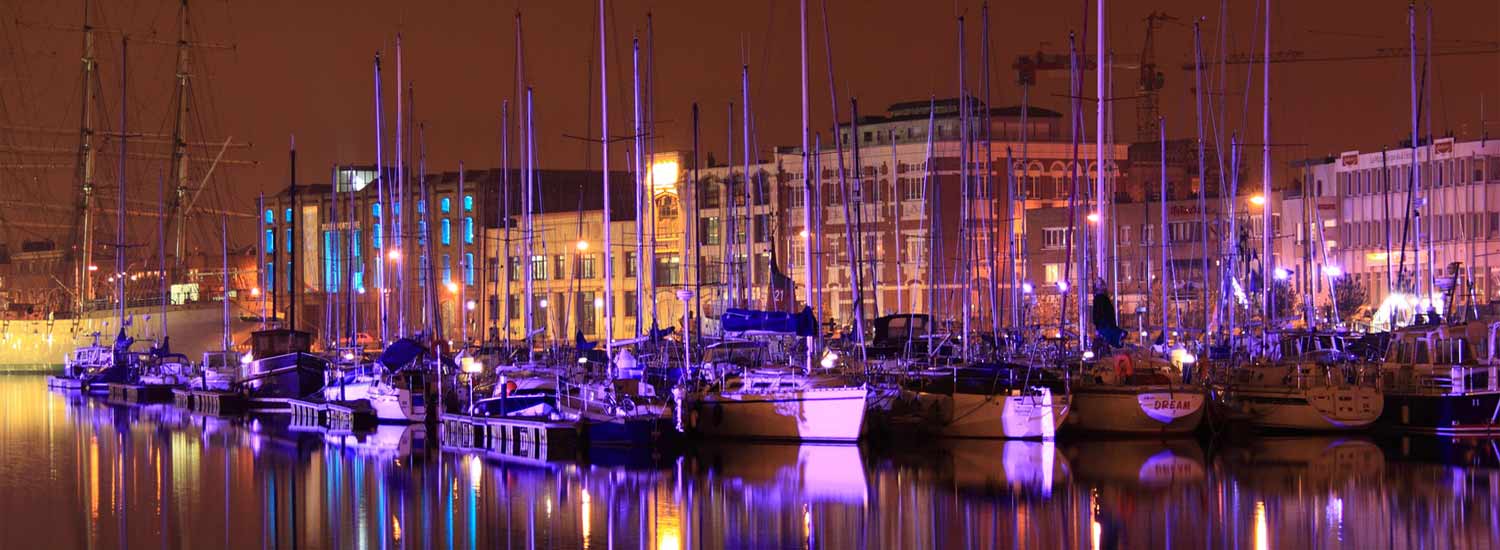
{"type": "Point", "coordinates": [469, 230]}
{"type": "Point", "coordinates": [288, 215]}
{"type": "Point", "coordinates": [375, 209]}
{"type": "Point", "coordinates": [375, 236]}
{"type": "Point", "coordinates": [447, 267]}
{"type": "Point", "coordinates": [468, 203]}
{"type": "Point", "coordinates": [469, 268]}
{"type": "Point", "coordinates": [270, 240]}
{"type": "Point", "coordinates": [270, 218]}
{"type": "Point", "coordinates": [446, 205]}
{"type": "Point", "coordinates": [447, 228]}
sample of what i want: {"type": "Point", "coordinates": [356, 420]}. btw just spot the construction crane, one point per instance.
{"type": "Point", "coordinates": [1148, 89]}
{"type": "Point", "coordinates": [1299, 56]}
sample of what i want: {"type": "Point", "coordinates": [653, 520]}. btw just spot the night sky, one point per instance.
{"type": "Point", "coordinates": [305, 68]}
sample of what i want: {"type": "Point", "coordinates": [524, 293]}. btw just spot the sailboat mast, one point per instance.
{"type": "Point", "coordinates": [462, 306]}
{"type": "Point", "coordinates": [697, 241]}
{"type": "Point", "coordinates": [1268, 256]}
{"type": "Point", "coordinates": [528, 198]}
{"type": "Point", "coordinates": [296, 293]}
{"type": "Point", "coordinates": [838, 143]}
{"type": "Point", "coordinates": [731, 218]}
{"type": "Point", "coordinates": [398, 223]}
{"type": "Point", "coordinates": [609, 296]}
{"type": "Point", "coordinates": [224, 296]}
{"type": "Point", "coordinates": [747, 271]}
{"type": "Point", "coordinates": [639, 184]}
{"type": "Point", "coordinates": [933, 227]}
{"type": "Point", "coordinates": [179, 131]}
{"type": "Point", "coordinates": [853, 201]}
{"type": "Point", "coordinates": [86, 156]}
{"type": "Point", "coordinates": [161, 254]}
{"type": "Point", "coordinates": [1163, 235]}
{"type": "Point", "coordinates": [1202, 175]}
{"type": "Point", "coordinates": [807, 179]}
{"type": "Point", "coordinates": [381, 223]}
{"type": "Point", "coordinates": [895, 223]}
{"type": "Point", "coordinates": [1101, 197]}
{"type": "Point", "coordinates": [505, 257]}
{"type": "Point", "coordinates": [989, 182]}
{"type": "Point", "coordinates": [120, 212]}
{"type": "Point", "coordinates": [260, 248]}
{"type": "Point", "coordinates": [965, 231]}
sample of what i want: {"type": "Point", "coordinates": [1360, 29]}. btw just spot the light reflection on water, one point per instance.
{"type": "Point", "coordinates": [81, 473]}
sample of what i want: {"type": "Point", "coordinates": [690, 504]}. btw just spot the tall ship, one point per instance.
{"type": "Point", "coordinates": [127, 252]}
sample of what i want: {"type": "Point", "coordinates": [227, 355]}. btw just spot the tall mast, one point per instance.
{"type": "Point", "coordinates": [895, 223]}
{"type": "Point", "coordinates": [398, 231]}
{"type": "Point", "coordinates": [430, 316]}
{"type": "Point", "coordinates": [697, 264]}
{"type": "Point", "coordinates": [1073, 197]}
{"type": "Point", "coordinates": [1268, 256]}
{"type": "Point", "coordinates": [381, 221]}
{"type": "Point", "coordinates": [1202, 175]}
{"type": "Point", "coordinates": [506, 255]}
{"type": "Point", "coordinates": [463, 264]}
{"type": "Point", "coordinates": [179, 131]}
{"type": "Point", "coordinates": [291, 249]}
{"type": "Point", "coordinates": [989, 181]}
{"type": "Point", "coordinates": [933, 227]}
{"type": "Point", "coordinates": [120, 209]}
{"type": "Point", "coordinates": [640, 183]}
{"type": "Point", "coordinates": [1100, 196]}
{"type": "Point", "coordinates": [609, 296]}
{"type": "Point", "coordinates": [528, 198]}
{"type": "Point", "coordinates": [260, 247]}
{"type": "Point", "coordinates": [748, 270]}
{"type": "Point", "coordinates": [965, 232]}
{"type": "Point", "coordinates": [161, 254]}
{"type": "Point", "coordinates": [731, 218]}
{"type": "Point", "coordinates": [86, 155]}
{"type": "Point", "coordinates": [839, 143]}
{"type": "Point", "coordinates": [851, 227]}
{"type": "Point", "coordinates": [807, 175]}
{"type": "Point", "coordinates": [330, 260]}
{"type": "Point", "coordinates": [1163, 236]}
{"type": "Point", "coordinates": [226, 342]}
{"type": "Point", "coordinates": [1427, 101]}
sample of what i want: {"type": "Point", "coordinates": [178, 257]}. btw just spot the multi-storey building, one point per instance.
{"type": "Point", "coordinates": [1401, 260]}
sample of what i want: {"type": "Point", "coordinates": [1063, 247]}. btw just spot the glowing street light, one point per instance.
{"type": "Point", "coordinates": [802, 234]}
{"type": "Point", "coordinates": [1093, 217]}
{"type": "Point", "coordinates": [1281, 274]}
{"type": "Point", "coordinates": [451, 286]}
{"type": "Point", "coordinates": [1026, 288]}
{"type": "Point", "coordinates": [470, 305]}
{"type": "Point", "coordinates": [1333, 271]}
{"type": "Point", "coordinates": [255, 291]}
{"type": "Point", "coordinates": [1062, 286]}
{"type": "Point", "coordinates": [1258, 200]}
{"type": "Point", "coordinates": [93, 267]}
{"type": "Point", "coordinates": [394, 255]}
{"type": "Point", "coordinates": [583, 245]}
{"type": "Point", "coordinates": [542, 302]}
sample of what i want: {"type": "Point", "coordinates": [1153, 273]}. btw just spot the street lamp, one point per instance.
{"type": "Point", "coordinates": [1093, 217]}
{"type": "Point", "coordinates": [583, 245]}
{"type": "Point", "coordinates": [1258, 200]}
{"type": "Point", "coordinates": [394, 255]}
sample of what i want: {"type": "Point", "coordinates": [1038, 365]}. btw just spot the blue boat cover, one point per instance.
{"type": "Point", "coordinates": [401, 353]}
{"type": "Point", "coordinates": [802, 323]}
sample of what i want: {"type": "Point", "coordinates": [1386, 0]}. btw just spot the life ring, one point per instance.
{"type": "Point", "coordinates": [626, 405]}
{"type": "Point", "coordinates": [510, 388]}
{"type": "Point", "coordinates": [1124, 366]}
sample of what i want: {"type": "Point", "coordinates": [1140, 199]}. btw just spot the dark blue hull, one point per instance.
{"type": "Point", "coordinates": [1470, 413]}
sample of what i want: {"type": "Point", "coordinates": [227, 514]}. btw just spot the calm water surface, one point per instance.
{"type": "Point", "coordinates": [79, 473]}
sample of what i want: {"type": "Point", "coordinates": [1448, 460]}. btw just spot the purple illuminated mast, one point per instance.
{"type": "Point", "coordinates": [609, 296]}
{"type": "Point", "coordinates": [807, 189]}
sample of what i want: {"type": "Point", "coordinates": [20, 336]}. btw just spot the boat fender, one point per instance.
{"type": "Point", "coordinates": [626, 404]}
{"type": "Point", "coordinates": [1124, 366]}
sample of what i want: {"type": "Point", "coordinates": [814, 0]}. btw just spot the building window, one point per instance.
{"type": "Point", "coordinates": [514, 267]}
{"type": "Point", "coordinates": [629, 303]}
{"type": "Point", "coordinates": [668, 270]}
{"type": "Point", "coordinates": [558, 262]}
{"type": "Point", "coordinates": [709, 231]}
{"type": "Point", "coordinates": [375, 210]}
{"type": "Point", "coordinates": [375, 236]}
{"type": "Point", "coordinates": [1052, 273]}
{"type": "Point", "coordinates": [332, 267]}
{"type": "Point", "coordinates": [585, 313]}
{"type": "Point", "coordinates": [447, 268]}
{"type": "Point", "coordinates": [1055, 237]}
{"type": "Point", "coordinates": [270, 218]}
{"type": "Point", "coordinates": [468, 203]}
{"type": "Point", "coordinates": [445, 236]}
{"type": "Point", "coordinates": [422, 232]}
{"type": "Point", "coordinates": [469, 229]}
{"type": "Point", "coordinates": [911, 188]}
{"type": "Point", "coordinates": [762, 228]}
{"type": "Point", "coordinates": [629, 264]}
{"type": "Point", "coordinates": [270, 240]}
{"type": "Point", "coordinates": [538, 267]}
{"type": "Point", "coordinates": [513, 305]}
{"type": "Point", "coordinates": [421, 206]}
{"type": "Point", "coordinates": [469, 268]}
{"type": "Point", "coordinates": [584, 267]}
{"type": "Point", "coordinates": [446, 205]}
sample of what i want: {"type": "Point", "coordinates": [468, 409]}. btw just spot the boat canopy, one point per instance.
{"type": "Point", "coordinates": [803, 323]}
{"type": "Point", "coordinates": [401, 353]}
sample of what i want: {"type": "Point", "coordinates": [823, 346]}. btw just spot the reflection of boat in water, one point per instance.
{"type": "Point", "coordinates": [1302, 462]}
{"type": "Point", "coordinates": [774, 473]}
{"type": "Point", "coordinates": [1137, 462]}
{"type": "Point", "coordinates": [1017, 465]}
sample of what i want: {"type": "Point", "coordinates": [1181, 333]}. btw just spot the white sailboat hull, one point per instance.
{"type": "Point", "coordinates": [1138, 410]}
{"type": "Point", "coordinates": [832, 414]}
{"type": "Point", "coordinates": [1000, 416]}
{"type": "Point", "coordinates": [1312, 409]}
{"type": "Point", "coordinates": [396, 405]}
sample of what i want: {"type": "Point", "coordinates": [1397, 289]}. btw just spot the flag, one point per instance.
{"type": "Point", "coordinates": [782, 292]}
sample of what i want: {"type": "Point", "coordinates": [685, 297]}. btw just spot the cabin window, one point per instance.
{"type": "Point", "coordinates": [1422, 357]}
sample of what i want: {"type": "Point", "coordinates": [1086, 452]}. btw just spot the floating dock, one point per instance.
{"type": "Point", "coordinates": [523, 438]}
